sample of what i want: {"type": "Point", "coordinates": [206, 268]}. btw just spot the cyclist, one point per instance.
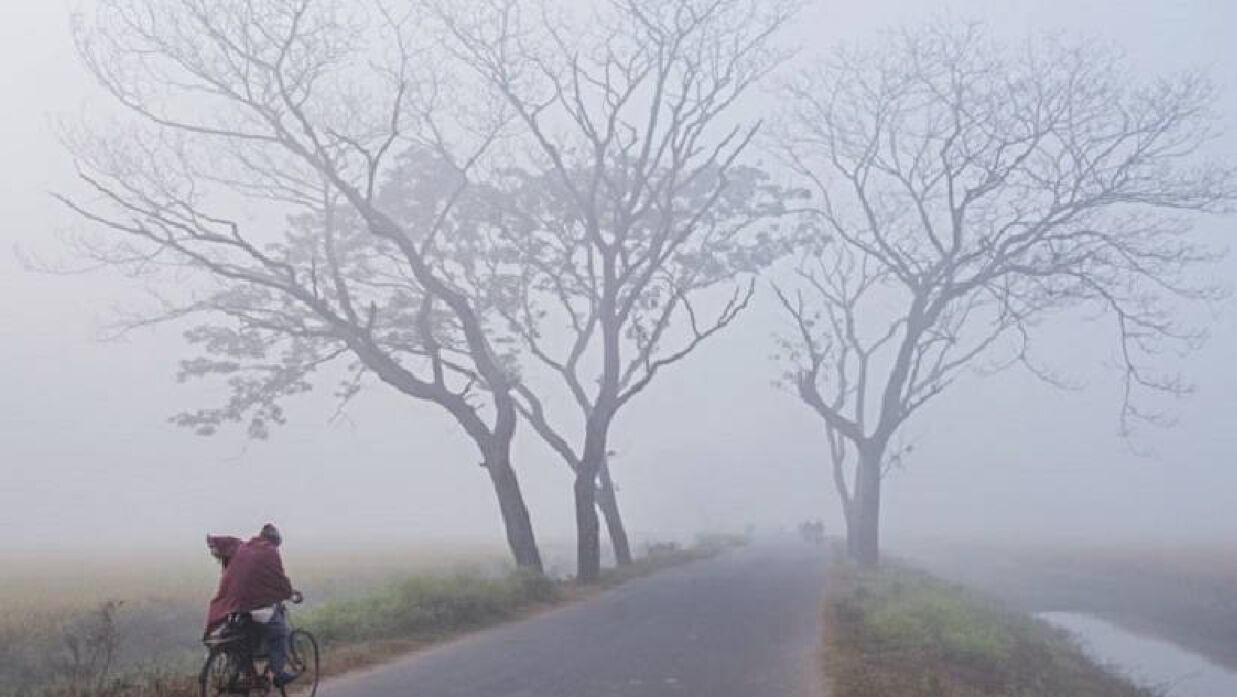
{"type": "Point", "coordinates": [254, 582]}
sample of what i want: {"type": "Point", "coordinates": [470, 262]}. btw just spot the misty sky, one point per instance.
{"type": "Point", "coordinates": [86, 451]}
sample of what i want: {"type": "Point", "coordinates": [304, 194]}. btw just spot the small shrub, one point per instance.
{"type": "Point", "coordinates": [662, 549]}
{"type": "Point", "coordinates": [90, 650]}
{"type": "Point", "coordinates": [713, 543]}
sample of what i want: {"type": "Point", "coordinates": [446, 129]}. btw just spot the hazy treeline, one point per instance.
{"type": "Point", "coordinates": [525, 212]}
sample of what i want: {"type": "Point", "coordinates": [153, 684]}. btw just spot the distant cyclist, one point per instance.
{"type": "Point", "coordinates": [254, 582]}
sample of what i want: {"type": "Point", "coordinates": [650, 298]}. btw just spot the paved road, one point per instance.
{"type": "Point", "coordinates": [742, 625]}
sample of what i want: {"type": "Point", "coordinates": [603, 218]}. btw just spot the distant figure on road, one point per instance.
{"type": "Point", "coordinates": [254, 583]}
{"type": "Point", "coordinates": [812, 532]}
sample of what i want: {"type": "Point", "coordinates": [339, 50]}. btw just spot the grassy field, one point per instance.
{"type": "Point", "coordinates": [158, 601]}
{"type": "Point", "coordinates": [1183, 594]}
{"type": "Point", "coordinates": [903, 633]}
{"type": "Point", "coordinates": [131, 628]}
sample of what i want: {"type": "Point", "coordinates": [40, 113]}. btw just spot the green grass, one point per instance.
{"type": "Point", "coordinates": [898, 632]}
{"type": "Point", "coordinates": [429, 605]}
{"type": "Point", "coordinates": [949, 622]}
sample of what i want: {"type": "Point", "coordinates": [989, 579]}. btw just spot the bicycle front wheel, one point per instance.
{"type": "Point", "coordinates": [304, 662]}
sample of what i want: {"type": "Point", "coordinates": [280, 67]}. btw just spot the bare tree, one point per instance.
{"type": "Point", "coordinates": [299, 110]}
{"type": "Point", "coordinates": [552, 301]}
{"type": "Point", "coordinates": [635, 205]}
{"type": "Point", "coordinates": [962, 194]}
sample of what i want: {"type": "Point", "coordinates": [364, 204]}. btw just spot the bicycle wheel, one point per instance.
{"type": "Point", "coordinates": [303, 660]}
{"type": "Point", "coordinates": [218, 676]}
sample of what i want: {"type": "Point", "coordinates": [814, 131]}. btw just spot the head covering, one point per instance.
{"type": "Point", "coordinates": [222, 547]}
{"type": "Point", "coordinates": [270, 533]}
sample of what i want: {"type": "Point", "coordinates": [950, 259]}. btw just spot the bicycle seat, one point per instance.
{"type": "Point", "coordinates": [238, 627]}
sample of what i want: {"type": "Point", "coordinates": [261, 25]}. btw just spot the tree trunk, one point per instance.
{"type": "Point", "coordinates": [852, 546]}
{"type": "Point", "coordinates": [588, 543]}
{"type": "Point", "coordinates": [863, 532]}
{"type": "Point", "coordinates": [607, 501]}
{"type": "Point", "coordinates": [849, 519]}
{"type": "Point", "coordinates": [844, 495]}
{"type": "Point", "coordinates": [516, 521]}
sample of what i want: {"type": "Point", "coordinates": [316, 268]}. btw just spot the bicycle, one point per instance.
{"type": "Point", "coordinates": [237, 649]}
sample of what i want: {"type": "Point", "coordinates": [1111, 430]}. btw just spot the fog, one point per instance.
{"type": "Point", "coordinates": [89, 459]}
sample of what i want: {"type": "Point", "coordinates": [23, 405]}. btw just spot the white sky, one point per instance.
{"type": "Point", "coordinates": [86, 453]}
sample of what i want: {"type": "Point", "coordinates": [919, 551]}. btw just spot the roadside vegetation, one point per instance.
{"type": "Point", "coordinates": [106, 649]}
{"type": "Point", "coordinates": [898, 632]}
{"type": "Point", "coordinates": [1182, 594]}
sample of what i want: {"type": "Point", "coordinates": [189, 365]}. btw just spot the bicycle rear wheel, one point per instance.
{"type": "Point", "coordinates": [218, 676]}
{"type": "Point", "coordinates": [304, 662]}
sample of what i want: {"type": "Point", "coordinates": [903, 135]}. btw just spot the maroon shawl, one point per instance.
{"type": "Point", "coordinates": [253, 577]}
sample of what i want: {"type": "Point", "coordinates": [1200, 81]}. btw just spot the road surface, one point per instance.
{"type": "Point", "coordinates": [746, 624]}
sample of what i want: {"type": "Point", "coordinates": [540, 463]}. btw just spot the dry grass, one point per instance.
{"type": "Point", "coordinates": [74, 581]}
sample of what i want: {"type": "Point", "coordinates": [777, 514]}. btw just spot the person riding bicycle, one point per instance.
{"type": "Point", "coordinates": [254, 583]}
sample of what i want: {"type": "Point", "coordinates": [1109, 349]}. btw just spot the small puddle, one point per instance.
{"type": "Point", "coordinates": [1145, 660]}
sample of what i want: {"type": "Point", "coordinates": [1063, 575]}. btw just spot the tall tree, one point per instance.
{"type": "Point", "coordinates": [299, 109]}
{"type": "Point", "coordinates": [553, 300]}
{"type": "Point", "coordinates": [637, 204]}
{"type": "Point", "coordinates": [963, 193]}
